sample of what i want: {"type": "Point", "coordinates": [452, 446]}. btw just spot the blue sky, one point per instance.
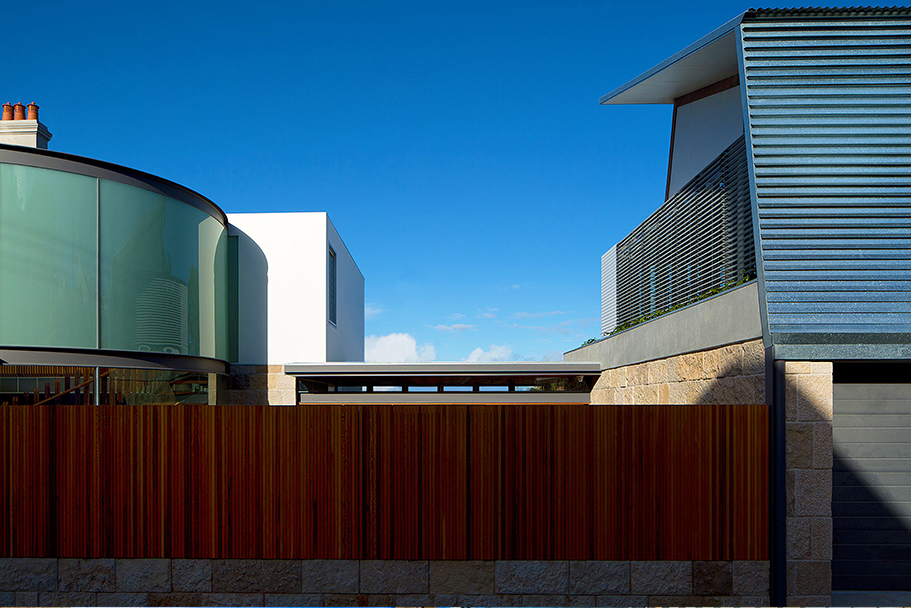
{"type": "Point", "coordinates": [459, 148]}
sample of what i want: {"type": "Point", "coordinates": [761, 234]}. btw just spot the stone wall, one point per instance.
{"type": "Point", "coordinates": [728, 375]}
{"type": "Point", "coordinates": [253, 385]}
{"type": "Point", "coordinates": [191, 582]}
{"type": "Point", "coordinates": [808, 478]}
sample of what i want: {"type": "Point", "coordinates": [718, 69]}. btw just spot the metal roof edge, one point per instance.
{"type": "Point", "coordinates": [447, 368]}
{"type": "Point", "coordinates": [725, 29]}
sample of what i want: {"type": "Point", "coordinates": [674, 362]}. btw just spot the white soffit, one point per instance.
{"type": "Point", "coordinates": [705, 62]}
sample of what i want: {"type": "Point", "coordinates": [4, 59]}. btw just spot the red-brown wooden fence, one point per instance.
{"type": "Point", "coordinates": [385, 482]}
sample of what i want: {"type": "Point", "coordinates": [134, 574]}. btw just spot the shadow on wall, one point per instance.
{"type": "Point", "coordinates": [250, 322]}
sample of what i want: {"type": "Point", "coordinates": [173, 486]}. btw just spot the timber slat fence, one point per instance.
{"type": "Point", "coordinates": [599, 482]}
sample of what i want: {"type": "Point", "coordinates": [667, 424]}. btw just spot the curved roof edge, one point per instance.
{"type": "Point", "coordinates": [64, 161]}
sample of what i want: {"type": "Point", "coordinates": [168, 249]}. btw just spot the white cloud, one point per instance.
{"type": "Point", "coordinates": [371, 311]}
{"type": "Point", "coordinates": [494, 353]}
{"type": "Point", "coordinates": [510, 287]}
{"type": "Point", "coordinates": [534, 315]}
{"type": "Point", "coordinates": [397, 348]}
{"type": "Point", "coordinates": [488, 313]}
{"type": "Point", "coordinates": [455, 327]}
{"type": "Point", "coordinates": [455, 316]}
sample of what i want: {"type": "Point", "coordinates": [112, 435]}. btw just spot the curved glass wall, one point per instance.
{"type": "Point", "coordinates": [76, 250]}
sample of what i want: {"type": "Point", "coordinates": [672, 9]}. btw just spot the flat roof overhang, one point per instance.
{"type": "Point", "coordinates": [475, 376]}
{"type": "Point", "coordinates": [708, 60]}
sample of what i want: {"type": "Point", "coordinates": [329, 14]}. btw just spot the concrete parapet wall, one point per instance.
{"type": "Point", "coordinates": [192, 582]}
{"type": "Point", "coordinates": [728, 318]}
{"type": "Point", "coordinates": [730, 375]}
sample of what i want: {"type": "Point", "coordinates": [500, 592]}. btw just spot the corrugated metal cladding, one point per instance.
{"type": "Point", "coordinates": [829, 101]}
{"type": "Point", "coordinates": [609, 291]}
{"type": "Point", "coordinates": [701, 238]}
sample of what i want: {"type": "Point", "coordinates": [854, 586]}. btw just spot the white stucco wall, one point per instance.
{"type": "Point", "coordinates": [282, 291]}
{"type": "Point", "coordinates": [702, 131]}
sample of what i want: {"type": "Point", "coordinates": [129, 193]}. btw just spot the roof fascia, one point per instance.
{"type": "Point", "coordinates": [725, 29]}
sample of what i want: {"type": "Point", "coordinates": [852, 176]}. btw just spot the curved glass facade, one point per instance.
{"type": "Point", "coordinates": [87, 262]}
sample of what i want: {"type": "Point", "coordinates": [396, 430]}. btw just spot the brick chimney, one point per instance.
{"type": "Point", "coordinates": [20, 126]}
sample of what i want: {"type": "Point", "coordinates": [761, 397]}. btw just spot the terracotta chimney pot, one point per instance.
{"type": "Point", "coordinates": [19, 111]}
{"type": "Point", "coordinates": [7, 111]}
{"type": "Point", "coordinates": [33, 111]}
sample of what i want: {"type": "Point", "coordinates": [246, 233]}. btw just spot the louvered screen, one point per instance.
{"type": "Point", "coordinates": [701, 238]}
{"type": "Point", "coordinates": [829, 97]}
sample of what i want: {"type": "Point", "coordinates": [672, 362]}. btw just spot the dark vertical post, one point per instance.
{"type": "Point", "coordinates": [775, 397]}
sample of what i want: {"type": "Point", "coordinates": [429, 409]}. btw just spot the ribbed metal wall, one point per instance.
{"type": "Point", "coordinates": [609, 291]}
{"type": "Point", "coordinates": [701, 238]}
{"type": "Point", "coordinates": [829, 101]}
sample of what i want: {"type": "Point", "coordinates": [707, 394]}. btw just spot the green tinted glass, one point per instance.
{"type": "Point", "coordinates": [163, 266]}
{"type": "Point", "coordinates": [47, 258]}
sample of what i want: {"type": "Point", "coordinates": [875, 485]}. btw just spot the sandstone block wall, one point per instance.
{"type": "Point", "coordinates": [253, 385]}
{"type": "Point", "coordinates": [203, 582]}
{"type": "Point", "coordinates": [808, 478]}
{"type": "Point", "coordinates": [729, 375]}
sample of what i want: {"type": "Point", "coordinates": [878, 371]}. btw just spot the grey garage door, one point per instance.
{"type": "Point", "coordinates": [871, 496]}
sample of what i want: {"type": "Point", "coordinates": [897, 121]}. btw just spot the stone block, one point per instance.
{"type": "Point", "coordinates": [790, 397]}
{"type": "Point", "coordinates": [191, 575]}
{"type": "Point", "coordinates": [559, 600]}
{"type": "Point", "coordinates": [256, 576]}
{"type": "Point", "coordinates": [664, 394]}
{"type": "Point", "coordinates": [818, 600]}
{"type": "Point", "coordinates": [799, 440]}
{"type": "Point", "coordinates": [814, 397]}
{"type": "Point", "coordinates": [673, 369]}
{"type": "Point", "coordinates": [462, 577]}
{"type": "Point", "coordinates": [712, 578]}
{"type": "Point", "coordinates": [646, 395]}
{"type": "Point", "coordinates": [121, 599]}
{"type": "Point", "coordinates": [619, 377]}
{"type": "Point", "coordinates": [175, 599]}
{"type": "Point", "coordinates": [751, 578]}
{"type": "Point", "coordinates": [739, 601]}
{"type": "Point", "coordinates": [657, 371]}
{"type": "Point", "coordinates": [822, 445]}
{"type": "Point", "coordinates": [346, 599]}
{"type": "Point", "coordinates": [282, 397]}
{"type": "Point", "coordinates": [813, 578]}
{"type": "Point", "coordinates": [677, 394]}
{"type": "Point", "coordinates": [426, 600]}
{"type": "Point", "coordinates": [532, 577]}
{"type": "Point", "coordinates": [89, 575]}
{"type": "Point", "coordinates": [618, 601]}
{"type": "Point", "coordinates": [821, 538]}
{"type": "Point", "coordinates": [742, 390]}
{"type": "Point", "coordinates": [394, 576]}
{"type": "Point", "coordinates": [143, 575]}
{"type": "Point", "coordinates": [8, 598]}
{"type": "Point", "coordinates": [490, 600]}
{"type": "Point", "coordinates": [713, 363]}
{"type": "Point", "coordinates": [797, 544]}
{"type": "Point", "coordinates": [329, 576]}
{"type": "Point", "coordinates": [813, 494]}
{"type": "Point", "coordinates": [683, 600]}
{"type": "Point", "coordinates": [599, 577]}
{"type": "Point", "coordinates": [689, 367]}
{"type": "Point", "coordinates": [281, 381]}
{"type": "Point", "coordinates": [76, 598]}
{"type": "Point", "coordinates": [794, 368]}
{"type": "Point", "coordinates": [732, 357]}
{"type": "Point", "coordinates": [603, 381]}
{"type": "Point", "coordinates": [638, 374]}
{"type": "Point", "coordinates": [232, 599]}
{"type": "Point", "coordinates": [28, 574]}
{"type": "Point", "coordinates": [661, 578]}
{"type": "Point", "coordinates": [625, 396]}
{"type": "Point", "coordinates": [26, 598]}
{"type": "Point", "coordinates": [822, 367]}
{"type": "Point", "coordinates": [293, 599]}
{"type": "Point", "coordinates": [790, 508]}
